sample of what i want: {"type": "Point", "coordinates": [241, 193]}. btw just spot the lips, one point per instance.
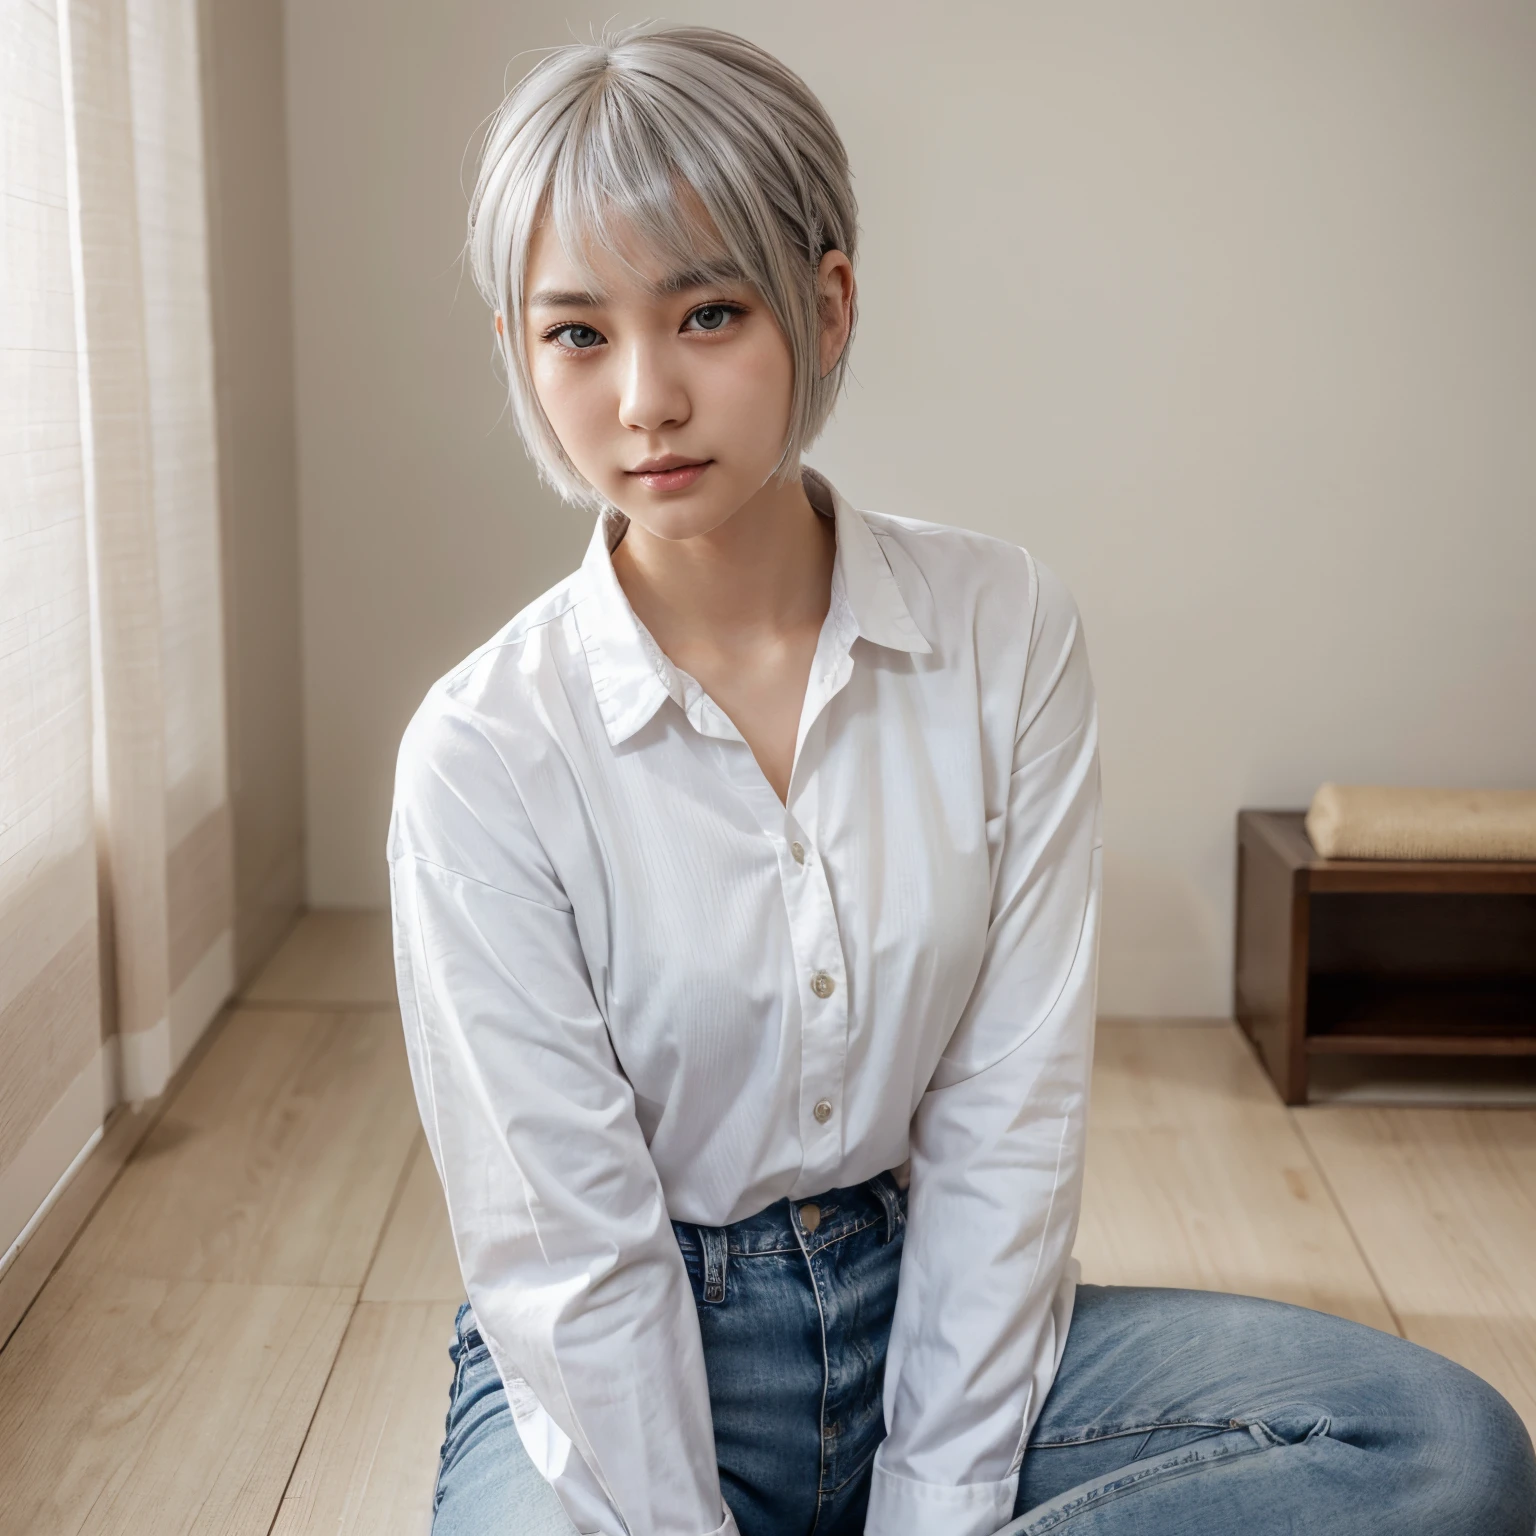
{"type": "Point", "coordinates": [671, 473]}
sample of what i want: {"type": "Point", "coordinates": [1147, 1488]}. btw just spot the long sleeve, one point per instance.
{"type": "Point", "coordinates": [557, 1211]}
{"type": "Point", "coordinates": [998, 1136]}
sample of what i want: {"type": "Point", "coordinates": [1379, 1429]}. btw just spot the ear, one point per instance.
{"type": "Point", "coordinates": [834, 298]}
{"type": "Point", "coordinates": [501, 329]}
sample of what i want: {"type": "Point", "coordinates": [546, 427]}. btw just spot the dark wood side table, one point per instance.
{"type": "Point", "coordinates": [1377, 957]}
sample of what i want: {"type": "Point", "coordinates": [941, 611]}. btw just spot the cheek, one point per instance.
{"type": "Point", "coordinates": [573, 398]}
{"type": "Point", "coordinates": [752, 386]}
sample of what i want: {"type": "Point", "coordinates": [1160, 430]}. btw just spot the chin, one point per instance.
{"type": "Point", "coordinates": [678, 514]}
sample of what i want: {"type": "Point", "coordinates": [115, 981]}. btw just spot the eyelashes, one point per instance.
{"type": "Point", "coordinates": [725, 311]}
{"type": "Point", "coordinates": [712, 319]}
{"type": "Point", "coordinates": [574, 338]}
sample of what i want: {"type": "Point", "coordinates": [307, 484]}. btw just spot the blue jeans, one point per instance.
{"type": "Point", "coordinates": [1174, 1413]}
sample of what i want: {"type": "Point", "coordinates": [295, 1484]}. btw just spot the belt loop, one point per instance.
{"type": "Point", "coordinates": [713, 1249]}
{"type": "Point", "coordinates": [885, 1188]}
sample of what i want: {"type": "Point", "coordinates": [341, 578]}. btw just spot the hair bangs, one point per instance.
{"type": "Point", "coordinates": [616, 188]}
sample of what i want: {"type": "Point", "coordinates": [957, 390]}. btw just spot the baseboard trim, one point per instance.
{"type": "Point", "coordinates": [49, 1200]}
{"type": "Point", "coordinates": [30, 1182]}
{"type": "Point", "coordinates": [53, 1229]}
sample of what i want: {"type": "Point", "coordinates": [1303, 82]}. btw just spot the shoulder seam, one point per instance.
{"type": "Point", "coordinates": [490, 647]}
{"type": "Point", "coordinates": [921, 528]}
{"type": "Point", "coordinates": [459, 874]}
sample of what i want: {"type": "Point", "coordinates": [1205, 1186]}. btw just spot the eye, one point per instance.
{"type": "Point", "coordinates": [712, 317]}
{"type": "Point", "coordinates": [574, 338]}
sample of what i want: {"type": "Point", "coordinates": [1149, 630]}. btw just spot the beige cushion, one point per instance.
{"type": "Point", "coordinates": [1362, 821]}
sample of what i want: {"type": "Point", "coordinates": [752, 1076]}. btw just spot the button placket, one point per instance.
{"type": "Point", "coordinates": [815, 944]}
{"type": "Point", "coordinates": [824, 1035]}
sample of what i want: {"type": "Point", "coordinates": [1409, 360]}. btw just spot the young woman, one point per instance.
{"type": "Point", "coordinates": [746, 895]}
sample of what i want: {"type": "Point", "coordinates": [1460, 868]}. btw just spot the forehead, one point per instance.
{"type": "Point", "coordinates": [626, 257]}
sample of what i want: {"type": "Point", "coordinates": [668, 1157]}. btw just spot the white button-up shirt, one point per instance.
{"type": "Point", "coordinates": [637, 986]}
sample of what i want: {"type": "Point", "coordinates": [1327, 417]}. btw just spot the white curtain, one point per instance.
{"type": "Point", "coordinates": [143, 300]}
{"type": "Point", "coordinates": [51, 1097]}
{"type": "Point", "coordinates": [113, 773]}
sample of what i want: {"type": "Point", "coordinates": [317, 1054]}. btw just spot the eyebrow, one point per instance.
{"type": "Point", "coordinates": [673, 283]}
{"type": "Point", "coordinates": [560, 298]}
{"type": "Point", "coordinates": [705, 276]}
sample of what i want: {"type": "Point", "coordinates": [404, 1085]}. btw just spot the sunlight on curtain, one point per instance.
{"type": "Point", "coordinates": [113, 773]}
{"type": "Point", "coordinates": [51, 1098]}
{"type": "Point", "coordinates": [162, 774]}
{"type": "Point", "coordinates": [168, 149]}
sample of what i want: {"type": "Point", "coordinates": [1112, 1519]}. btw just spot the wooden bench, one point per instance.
{"type": "Point", "coordinates": [1377, 957]}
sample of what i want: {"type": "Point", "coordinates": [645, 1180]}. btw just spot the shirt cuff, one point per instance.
{"type": "Point", "coordinates": [898, 1506]}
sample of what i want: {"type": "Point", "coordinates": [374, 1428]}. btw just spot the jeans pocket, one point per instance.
{"type": "Point", "coordinates": [467, 1351]}
{"type": "Point", "coordinates": [893, 1202]}
{"type": "Point", "coordinates": [458, 1352]}
{"type": "Point", "coordinates": [693, 1264]}
{"type": "Point", "coordinates": [475, 1375]}
{"type": "Point", "coordinates": [454, 1389]}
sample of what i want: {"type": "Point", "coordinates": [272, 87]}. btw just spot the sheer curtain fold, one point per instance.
{"type": "Point", "coordinates": [115, 405]}
{"type": "Point", "coordinates": [172, 207]}
{"type": "Point", "coordinates": [145, 317]}
{"type": "Point", "coordinates": [116, 889]}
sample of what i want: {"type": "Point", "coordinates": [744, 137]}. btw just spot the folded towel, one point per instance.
{"type": "Point", "coordinates": [1360, 821]}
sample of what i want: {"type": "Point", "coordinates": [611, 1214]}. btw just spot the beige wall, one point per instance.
{"type": "Point", "coordinates": [247, 167]}
{"type": "Point", "coordinates": [1225, 311]}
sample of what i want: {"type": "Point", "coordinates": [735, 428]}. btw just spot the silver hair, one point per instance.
{"type": "Point", "coordinates": [633, 133]}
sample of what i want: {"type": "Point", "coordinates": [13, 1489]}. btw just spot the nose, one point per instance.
{"type": "Point", "coordinates": [652, 396]}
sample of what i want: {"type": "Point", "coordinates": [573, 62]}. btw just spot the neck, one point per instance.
{"type": "Point", "coordinates": [766, 568]}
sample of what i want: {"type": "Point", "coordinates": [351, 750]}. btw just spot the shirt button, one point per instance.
{"type": "Point", "coordinates": [822, 984]}
{"type": "Point", "coordinates": [797, 852]}
{"type": "Point", "coordinates": [823, 1112]}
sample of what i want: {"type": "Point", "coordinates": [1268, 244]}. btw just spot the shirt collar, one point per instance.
{"type": "Point", "coordinates": [631, 675]}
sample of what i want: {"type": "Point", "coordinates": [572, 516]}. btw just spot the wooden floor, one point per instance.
{"type": "Point", "coordinates": [250, 1335]}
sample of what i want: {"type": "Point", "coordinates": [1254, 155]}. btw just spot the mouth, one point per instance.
{"type": "Point", "coordinates": [670, 473]}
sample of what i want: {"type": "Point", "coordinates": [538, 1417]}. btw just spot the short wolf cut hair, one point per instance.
{"type": "Point", "coordinates": [634, 133]}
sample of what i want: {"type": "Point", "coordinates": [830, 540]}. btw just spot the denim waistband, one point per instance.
{"type": "Point", "coordinates": [787, 1226]}
{"type": "Point", "coordinates": [790, 1226]}
{"type": "Point", "coordinates": [794, 1226]}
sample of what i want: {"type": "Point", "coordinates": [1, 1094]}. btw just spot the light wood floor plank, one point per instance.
{"type": "Point", "coordinates": [276, 1163]}
{"type": "Point", "coordinates": [1197, 1177]}
{"type": "Point", "coordinates": [416, 1261]}
{"type": "Point", "coordinates": [331, 959]}
{"type": "Point", "coordinates": [370, 1460]}
{"type": "Point", "coordinates": [135, 1407]}
{"type": "Point", "coordinates": [1444, 1203]}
